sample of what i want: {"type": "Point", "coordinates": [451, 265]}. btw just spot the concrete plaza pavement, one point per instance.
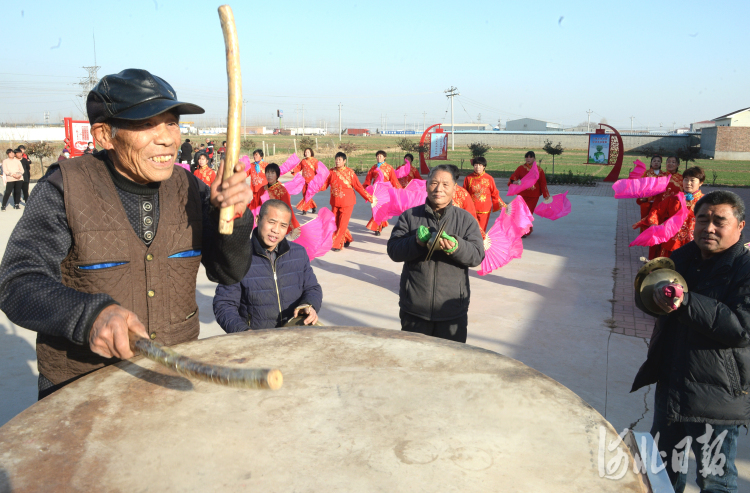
{"type": "Point", "coordinates": [552, 310]}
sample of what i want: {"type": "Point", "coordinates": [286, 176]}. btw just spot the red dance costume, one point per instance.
{"type": "Point", "coordinates": [279, 192]}
{"type": "Point", "coordinates": [531, 195]}
{"type": "Point", "coordinates": [343, 182]}
{"type": "Point", "coordinates": [664, 210]}
{"type": "Point", "coordinates": [649, 203]}
{"type": "Point", "coordinates": [485, 195]}
{"type": "Point", "coordinates": [257, 182]}
{"type": "Point", "coordinates": [463, 199]}
{"type": "Point", "coordinates": [413, 175]}
{"type": "Point", "coordinates": [206, 175]}
{"type": "Point", "coordinates": [307, 166]}
{"type": "Point", "coordinates": [390, 176]}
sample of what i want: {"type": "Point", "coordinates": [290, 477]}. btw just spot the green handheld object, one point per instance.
{"type": "Point", "coordinates": [446, 236]}
{"type": "Point", "coordinates": [423, 234]}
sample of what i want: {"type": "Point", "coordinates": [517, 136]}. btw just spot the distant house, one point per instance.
{"type": "Point", "coordinates": [531, 125]}
{"type": "Point", "coordinates": [697, 126]}
{"type": "Point", "coordinates": [739, 118]}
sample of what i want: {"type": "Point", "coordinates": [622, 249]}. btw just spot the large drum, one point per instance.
{"type": "Point", "coordinates": [360, 410]}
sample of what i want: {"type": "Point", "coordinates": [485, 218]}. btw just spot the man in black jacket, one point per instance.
{"type": "Point", "coordinates": [26, 163]}
{"type": "Point", "coordinates": [186, 152]}
{"type": "Point", "coordinates": [434, 294]}
{"type": "Point", "coordinates": [699, 356]}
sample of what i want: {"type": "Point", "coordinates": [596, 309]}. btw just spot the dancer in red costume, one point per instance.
{"type": "Point", "coordinates": [389, 175]}
{"type": "Point", "coordinates": [484, 193]}
{"type": "Point", "coordinates": [413, 173]}
{"type": "Point", "coordinates": [692, 180]}
{"type": "Point", "coordinates": [531, 195]}
{"type": "Point", "coordinates": [204, 173]}
{"type": "Point", "coordinates": [257, 174]}
{"type": "Point", "coordinates": [308, 166]}
{"type": "Point", "coordinates": [343, 182]}
{"type": "Point", "coordinates": [279, 192]}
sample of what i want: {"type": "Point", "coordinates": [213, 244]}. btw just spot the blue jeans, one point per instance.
{"type": "Point", "coordinates": [670, 435]}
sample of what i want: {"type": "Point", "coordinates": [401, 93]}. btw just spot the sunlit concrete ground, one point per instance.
{"type": "Point", "coordinates": [547, 309]}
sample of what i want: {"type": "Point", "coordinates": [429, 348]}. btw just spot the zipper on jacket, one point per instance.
{"type": "Point", "coordinates": [275, 279]}
{"type": "Point", "coordinates": [733, 372]}
{"type": "Point", "coordinates": [434, 274]}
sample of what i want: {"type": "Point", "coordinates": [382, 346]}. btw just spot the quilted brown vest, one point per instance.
{"type": "Point", "coordinates": [159, 289]}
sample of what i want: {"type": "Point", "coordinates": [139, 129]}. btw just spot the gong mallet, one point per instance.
{"type": "Point", "coordinates": [234, 81]}
{"type": "Point", "coordinates": [435, 242]}
{"type": "Point", "coordinates": [243, 378]}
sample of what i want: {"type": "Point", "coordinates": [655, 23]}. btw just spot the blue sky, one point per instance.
{"type": "Point", "coordinates": [659, 61]}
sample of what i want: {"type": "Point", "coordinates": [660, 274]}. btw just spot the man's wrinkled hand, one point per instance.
{"type": "Point", "coordinates": [668, 303]}
{"type": "Point", "coordinates": [312, 316]}
{"type": "Point", "coordinates": [109, 336]}
{"type": "Point", "coordinates": [233, 192]}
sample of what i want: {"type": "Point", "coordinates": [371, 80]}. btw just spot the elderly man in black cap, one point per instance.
{"type": "Point", "coordinates": [110, 243]}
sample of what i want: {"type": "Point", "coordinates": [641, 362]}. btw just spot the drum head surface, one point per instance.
{"type": "Point", "coordinates": [360, 410]}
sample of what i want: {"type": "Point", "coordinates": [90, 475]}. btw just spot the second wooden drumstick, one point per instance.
{"type": "Point", "coordinates": [245, 378]}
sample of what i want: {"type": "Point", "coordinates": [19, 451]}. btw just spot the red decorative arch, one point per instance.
{"type": "Point", "coordinates": [424, 169]}
{"type": "Point", "coordinates": [614, 175]}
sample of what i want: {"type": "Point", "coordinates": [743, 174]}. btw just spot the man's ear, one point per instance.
{"type": "Point", "coordinates": [741, 225]}
{"type": "Point", "coordinates": [103, 135]}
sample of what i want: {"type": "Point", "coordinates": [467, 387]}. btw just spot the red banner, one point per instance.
{"type": "Point", "coordinates": [77, 136]}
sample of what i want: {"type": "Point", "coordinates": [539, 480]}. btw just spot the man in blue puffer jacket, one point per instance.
{"type": "Point", "coordinates": [280, 284]}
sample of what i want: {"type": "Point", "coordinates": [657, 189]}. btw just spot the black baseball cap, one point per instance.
{"type": "Point", "coordinates": [134, 94]}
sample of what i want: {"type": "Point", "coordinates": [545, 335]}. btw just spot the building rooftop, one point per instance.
{"type": "Point", "coordinates": [732, 113]}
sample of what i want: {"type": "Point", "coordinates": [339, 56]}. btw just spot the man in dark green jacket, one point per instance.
{"type": "Point", "coordinates": [699, 356]}
{"type": "Point", "coordinates": [434, 294]}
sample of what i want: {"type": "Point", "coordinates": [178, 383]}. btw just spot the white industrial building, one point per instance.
{"type": "Point", "coordinates": [532, 125]}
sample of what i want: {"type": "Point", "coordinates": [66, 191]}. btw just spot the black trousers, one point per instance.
{"type": "Point", "coordinates": [15, 188]}
{"type": "Point", "coordinates": [25, 190]}
{"type": "Point", "coordinates": [453, 330]}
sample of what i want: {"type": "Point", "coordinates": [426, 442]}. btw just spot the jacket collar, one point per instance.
{"type": "Point", "coordinates": [723, 261]}
{"type": "Point", "coordinates": [259, 249]}
{"type": "Point", "coordinates": [430, 211]}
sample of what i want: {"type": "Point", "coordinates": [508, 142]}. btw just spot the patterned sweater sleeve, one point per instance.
{"type": "Point", "coordinates": [31, 291]}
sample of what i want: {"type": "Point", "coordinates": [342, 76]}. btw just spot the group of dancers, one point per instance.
{"type": "Point", "coordinates": [656, 210]}
{"type": "Point", "coordinates": [479, 195]}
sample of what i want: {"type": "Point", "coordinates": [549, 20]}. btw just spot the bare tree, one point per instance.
{"type": "Point", "coordinates": [40, 150]}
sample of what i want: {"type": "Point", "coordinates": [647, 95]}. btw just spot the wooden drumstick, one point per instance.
{"type": "Point", "coordinates": [244, 378]}
{"type": "Point", "coordinates": [234, 81]}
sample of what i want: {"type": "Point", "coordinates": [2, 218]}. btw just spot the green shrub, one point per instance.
{"type": "Point", "coordinates": [571, 179]}
{"type": "Point", "coordinates": [304, 143]}
{"type": "Point", "coordinates": [478, 149]}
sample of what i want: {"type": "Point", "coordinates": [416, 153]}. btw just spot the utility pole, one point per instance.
{"type": "Point", "coordinates": [479, 118]}
{"type": "Point", "coordinates": [303, 119]}
{"type": "Point", "coordinates": [631, 124]}
{"type": "Point", "coordinates": [451, 93]}
{"type": "Point", "coordinates": [244, 109]}
{"type": "Point", "coordinates": [673, 126]}
{"type": "Point", "coordinates": [424, 121]}
{"type": "Point", "coordinates": [588, 122]}
{"type": "Point", "coordinates": [404, 124]}
{"type": "Point", "coordinates": [339, 121]}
